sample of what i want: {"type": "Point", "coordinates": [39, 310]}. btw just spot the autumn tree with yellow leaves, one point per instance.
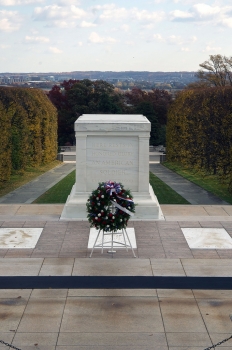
{"type": "Point", "coordinates": [28, 124]}
{"type": "Point", "coordinates": [199, 131]}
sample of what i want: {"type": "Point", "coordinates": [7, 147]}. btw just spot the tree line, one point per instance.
{"type": "Point", "coordinates": [198, 120]}
{"type": "Point", "coordinates": [76, 97]}
{"type": "Point", "coordinates": [28, 125]}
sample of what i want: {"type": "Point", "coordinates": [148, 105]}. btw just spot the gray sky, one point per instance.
{"type": "Point", "coordinates": [122, 35]}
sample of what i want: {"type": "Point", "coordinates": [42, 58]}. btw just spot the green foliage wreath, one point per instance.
{"type": "Point", "coordinates": [110, 206]}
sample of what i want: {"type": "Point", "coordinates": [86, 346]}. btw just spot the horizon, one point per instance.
{"type": "Point", "coordinates": [101, 71]}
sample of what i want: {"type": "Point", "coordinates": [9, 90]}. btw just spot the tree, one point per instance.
{"type": "Point", "coordinates": [76, 97]}
{"type": "Point", "coordinates": [159, 99]}
{"type": "Point", "coordinates": [147, 109]}
{"type": "Point", "coordinates": [154, 105]}
{"type": "Point", "coordinates": [200, 84]}
{"type": "Point", "coordinates": [217, 71]}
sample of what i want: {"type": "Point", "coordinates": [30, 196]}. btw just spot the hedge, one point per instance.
{"type": "Point", "coordinates": [28, 122]}
{"type": "Point", "coordinates": [199, 131]}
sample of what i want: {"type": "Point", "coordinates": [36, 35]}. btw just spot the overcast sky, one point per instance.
{"type": "Point", "coordinates": [120, 35]}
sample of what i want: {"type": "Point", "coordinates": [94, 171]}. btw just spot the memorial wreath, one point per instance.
{"type": "Point", "coordinates": [110, 206]}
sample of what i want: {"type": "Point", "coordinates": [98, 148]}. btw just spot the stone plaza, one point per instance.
{"type": "Point", "coordinates": [115, 319]}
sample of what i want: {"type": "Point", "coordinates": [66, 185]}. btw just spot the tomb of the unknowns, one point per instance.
{"type": "Point", "coordinates": [112, 147]}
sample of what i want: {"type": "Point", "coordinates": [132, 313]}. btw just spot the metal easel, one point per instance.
{"type": "Point", "coordinates": [110, 243]}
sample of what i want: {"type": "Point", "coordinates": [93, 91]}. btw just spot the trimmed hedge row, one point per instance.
{"type": "Point", "coordinates": [28, 127]}
{"type": "Point", "coordinates": [199, 131]}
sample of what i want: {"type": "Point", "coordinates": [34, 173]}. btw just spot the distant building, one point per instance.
{"type": "Point", "coordinates": [35, 78]}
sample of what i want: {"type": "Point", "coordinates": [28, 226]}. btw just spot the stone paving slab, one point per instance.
{"type": "Point", "coordinates": [188, 339]}
{"type": "Point", "coordinates": [196, 210]}
{"type": "Point", "coordinates": [42, 315]}
{"type": "Point", "coordinates": [39, 209]}
{"type": "Point", "coordinates": [181, 315]}
{"type": "Point", "coordinates": [112, 292]}
{"type": "Point", "coordinates": [127, 314]}
{"type": "Point", "coordinates": [113, 339]}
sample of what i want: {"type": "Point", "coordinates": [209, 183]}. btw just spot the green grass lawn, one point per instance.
{"type": "Point", "coordinates": [60, 192]}
{"type": "Point", "coordinates": [208, 182]}
{"type": "Point", "coordinates": [164, 193]}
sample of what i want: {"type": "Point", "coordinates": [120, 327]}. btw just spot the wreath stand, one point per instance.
{"type": "Point", "coordinates": [110, 243]}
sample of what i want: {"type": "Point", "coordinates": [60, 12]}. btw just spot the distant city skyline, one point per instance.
{"type": "Point", "coordinates": [96, 35]}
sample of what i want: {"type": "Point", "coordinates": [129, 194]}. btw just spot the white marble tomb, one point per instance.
{"type": "Point", "coordinates": [112, 147]}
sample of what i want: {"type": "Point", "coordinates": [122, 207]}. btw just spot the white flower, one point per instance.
{"type": "Point", "coordinates": [97, 199]}
{"type": "Point", "coordinates": [98, 204]}
{"type": "Point", "coordinates": [113, 217]}
{"type": "Point", "coordinates": [106, 217]}
{"type": "Point", "coordinates": [129, 207]}
{"type": "Point", "coordinates": [102, 196]}
{"type": "Point", "coordinates": [102, 211]}
{"type": "Point", "coordinates": [107, 225]}
{"type": "Point", "coordinates": [99, 214]}
{"type": "Point", "coordinates": [127, 196]}
{"type": "Point", "coordinates": [96, 217]}
{"type": "Point", "coordinates": [120, 220]}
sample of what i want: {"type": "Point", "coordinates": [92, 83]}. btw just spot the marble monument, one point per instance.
{"type": "Point", "coordinates": [112, 147]}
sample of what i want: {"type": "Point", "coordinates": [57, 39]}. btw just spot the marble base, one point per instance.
{"type": "Point", "coordinates": [147, 207]}
{"type": "Point", "coordinates": [207, 238]}
{"type": "Point", "coordinates": [117, 237]}
{"type": "Point", "coordinates": [11, 238]}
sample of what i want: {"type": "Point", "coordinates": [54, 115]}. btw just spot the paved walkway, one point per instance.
{"type": "Point", "coordinates": [35, 188]}
{"type": "Point", "coordinates": [193, 193]}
